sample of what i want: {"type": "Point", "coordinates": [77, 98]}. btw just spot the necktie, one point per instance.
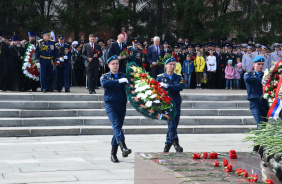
{"type": "Point", "coordinates": [92, 47]}
{"type": "Point", "coordinates": [158, 50]}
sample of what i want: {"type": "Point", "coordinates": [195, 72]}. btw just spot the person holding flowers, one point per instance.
{"type": "Point", "coordinates": [173, 83]}
{"type": "Point", "coordinates": [258, 106]}
{"type": "Point", "coordinates": [115, 105]}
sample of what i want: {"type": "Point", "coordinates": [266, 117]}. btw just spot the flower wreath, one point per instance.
{"type": "Point", "coordinates": [146, 95]}
{"type": "Point", "coordinates": [29, 67]}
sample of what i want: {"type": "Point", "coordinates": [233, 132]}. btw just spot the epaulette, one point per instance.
{"type": "Point", "coordinates": [51, 40]}
{"type": "Point", "coordinates": [160, 75]}
{"type": "Point", "coordinates": [40, 40]}
{"type": "Point", "coordinates": [57, 44]}
{"type": "Point", "coordinates": [129, 46]}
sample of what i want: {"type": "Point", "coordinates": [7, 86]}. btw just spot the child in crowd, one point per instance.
{"type": "Point", "coordinates": [229, 74]}
{"type": "Point", "coordinates": [199, 64]}
{"type": "Point", "coordinates": [187, 69]}
{"type": "Point", "coordinates": [238, 60]}
{"type": "Point", "coordinates": [211, 69]}
{"type": "Point", "coordinates": [237, 75]}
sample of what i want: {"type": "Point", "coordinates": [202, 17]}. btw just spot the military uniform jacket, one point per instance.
{"type": "Point", "coordinates": [256, 53]}
{"type": "Point", "coordinates": [77, 59]}
{"type": "Point", "coordinates": [247, 62]}
{"type": "Point", "coordinates": [135, 54]}
{"type": "Point", "coordinates": [276, 56]}
{"type": "Point", "coordinates": [267, 62]}
{"type": "Point", "coordinates": [64, 50]}
{"type": "Point", "coordinates": [114, 91]}
{"type": "Point", "coordinates": [253, 84]}
{"type": "Point", "coordinates": [176, 84]}
{"type": "Point", "coordinates": [220, 64]}
{"type": "Point", "coordinates": [46, 52]}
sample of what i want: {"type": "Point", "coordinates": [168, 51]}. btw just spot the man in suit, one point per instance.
{"type": "Point", "coordinates": [154, 52]}
{"type": "Point", "coordinates": [115, 49]}
{"type": "Point", "coordinates": [91, 52]}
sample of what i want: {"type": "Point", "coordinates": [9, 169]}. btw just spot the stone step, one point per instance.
{"type": "Point", "coordinates": [99, 97]}
{"type": "Point", "coordinates": [129, 120]}
{"type": "Point", "coordinates": [36, 105]}
{"type": "Point", "coordinates": [101, 112]}
{"type": "Point", "coordinates": [107, 130]}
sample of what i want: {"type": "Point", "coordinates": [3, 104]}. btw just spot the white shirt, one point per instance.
{"type": "Point", "coordinates": [211, 63]}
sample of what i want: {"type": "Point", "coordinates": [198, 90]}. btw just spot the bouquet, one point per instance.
{"type": "Point", "coordinates": [29, 67]}
{"type": "Point", "coordinates": [146, 95]}
{"type": "Point", "coordinates": [161, 61]}
{"type": "Point", "coordinates": [124, 52]}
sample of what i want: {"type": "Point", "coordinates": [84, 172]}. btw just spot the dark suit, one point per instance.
{"type": "Point", "coordinates": [116, 50]}
{"type": "Point", "coordinates": [219, 72]}
{"type": "Point", "coordinates": [92, 68]}
{"type": "Point", "coordinates": [153, 56]}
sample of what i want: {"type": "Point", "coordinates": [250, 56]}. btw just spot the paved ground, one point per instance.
{"type": "Point", "coordinates": [83, 90]}
{"type": "Point", "coordinates": [85, 159]}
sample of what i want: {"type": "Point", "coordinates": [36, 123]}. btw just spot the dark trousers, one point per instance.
{"type": "Point", "coordinates": [92, 77]}
{"type": "Point", "coordinates": [155, 71]}
{"type": "Point", "coordinates": [259, 111]}
{"type": "Point", "coordinates": [172, 126]}
{"type": "Point", "coordinates": [46, 76]}
{"type": "Point", "coordinates": [122, 66]}
{"type": "Point", "coordinates": [63, 77]}
{"type": "Point", "coordinates": [219, 79]}
{"type": "Point", "coordinates": [116, 113]}
{"type": "Point", "coordinates": [211, 80]}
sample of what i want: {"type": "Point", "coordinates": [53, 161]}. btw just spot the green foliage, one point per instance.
{"type": "Point", "coordinates": [199, 19]}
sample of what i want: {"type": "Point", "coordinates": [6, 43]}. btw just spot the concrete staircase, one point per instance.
{"type": "Point", "coordinates": [38, 114]}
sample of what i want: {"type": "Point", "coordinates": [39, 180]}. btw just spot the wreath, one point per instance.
{"type": "Point", "coordinates": [29, 67]}
{"type": "Point", "coordinates": [146, 95]}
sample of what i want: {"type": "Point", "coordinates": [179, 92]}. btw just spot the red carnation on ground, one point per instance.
{"type": "Point", "coordinates": [213, 155]}
{"type": "Point", "coordinates": [239, 171]}
{"type": "Point", "coordinates": [205, 155]}
{"type": "Point", "coordinates": [268, 181]}
{"type": "Point", "coordinates": [253, 178]}
{"type": "Point", "coordinates": [216, 164]}
{"type": "Point", "coordinates": [225, 162]}
{"type": "Point", "coordinates": [244, 173]}
{"type": "Point", "coordinates": [229, 168]}
{"type": "Point", "coordinates": [197, 156]}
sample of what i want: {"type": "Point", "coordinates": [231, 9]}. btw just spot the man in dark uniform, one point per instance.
{"type": "Point", "coordinates": [135, 52]}
{"type": "Point", "coordinates": [115, 105]}
{"type": "Point", "coordinates": [63, 66]}
{"type": "Point", "coordinates": [258, 106]}
{"type": "Point", "coordinates": [166, 48]}
{"type": "Point", "coordinates": [17, 53]}
{"type": "Point", "coordinates": [4, 58]}
{"type": "Point", "coordinates": [174, 84]}
{"type": "Point", "coordinates": [220, 66]}
{"type": "Point", "coordinates": [77, 65]}
{"type": "Point", "coordinates": [229, 55]}
{"type": "Point", "coordinates": [31, 38]}
{"type": "Point", "coordinates": [46, 55]}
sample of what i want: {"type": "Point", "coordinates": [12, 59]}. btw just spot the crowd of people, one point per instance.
{"type": "Point", "coordinates": [81, 63]}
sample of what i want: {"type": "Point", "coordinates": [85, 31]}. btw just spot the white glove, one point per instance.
{"type": "Point", "coordinates": [61, 59]}
{"type": "Point", "coordinates": [163, 85]}
{"type": "Point", "coordinates": [38, 65]}
{"type": "Point", "coordinates": [65, 57]}
{"type": "Point", "coordinates": [123, 80]}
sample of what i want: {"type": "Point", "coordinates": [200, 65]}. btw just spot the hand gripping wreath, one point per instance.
{"type": "Point", "coordinates": [146, 95]}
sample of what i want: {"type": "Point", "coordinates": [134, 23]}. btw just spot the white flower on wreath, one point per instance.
{"type": "Point", "coordinates": [148, 104]}
{"type": "Point", "coordinates": [149, 92]}
{"type": "Point", "coordinates": [142, 96]}
{"type": "Point", "coordinates": [153, 96]}
{"type": "Point", "coordinates": [157, 101]}
{"type": "Point", "coordinates": [266, 96]}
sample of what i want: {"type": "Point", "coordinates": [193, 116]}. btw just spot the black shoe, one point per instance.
{"type": "Point", "coordinates": [177, 147]}
{"type": "Point", "coordinates": [59, 91]}
{"type": "Point", "coordinates": [94, 91]}
{"type": "Point", "coordinates": [114, 154]}
{"type": "Point", "coordinates": [34, 90]}
{"type": "Point", "coordinates": [124, 149]}
{"type": "Point", "coordinates": [67, 90]}
{"type": "Point", "coordinates": [256, 148]}
{"type": "Point", "coordinates": [167, 148]}
{"type": "Point", "coordinates": [50, 90]}
{"type": "Point", "coordinates": [90, 92]}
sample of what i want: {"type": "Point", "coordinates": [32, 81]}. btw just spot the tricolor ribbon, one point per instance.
{"type": "Point", "coordinates": [160, 116]}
